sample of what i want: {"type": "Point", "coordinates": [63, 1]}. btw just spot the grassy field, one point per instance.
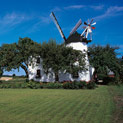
{"type": "Point", "coordinates": [117, 94]}
{"type": "Point", "coordinates": [57, 106]}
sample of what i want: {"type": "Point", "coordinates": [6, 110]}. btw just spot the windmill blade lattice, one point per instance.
{"type": "Point", "coordinates": [88, 29]}
{"type": "Point", "coordinates": [76, 26]}
{"type": "Point", "coordinates": [52, 15]}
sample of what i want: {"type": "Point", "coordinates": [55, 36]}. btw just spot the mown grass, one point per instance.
{"type": "Point", "coordinates": [117, 94]}
{"type": "Point", "coordinates": [56, 106]}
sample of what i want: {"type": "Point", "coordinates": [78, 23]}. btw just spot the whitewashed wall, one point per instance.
{"type": "Point", "coordinates": [83, 76]}
{"type": "Point", "coordinates": [44, 77]}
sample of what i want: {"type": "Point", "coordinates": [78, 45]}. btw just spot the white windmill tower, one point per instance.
{"type": "Point", "coordinates": [78, 42]}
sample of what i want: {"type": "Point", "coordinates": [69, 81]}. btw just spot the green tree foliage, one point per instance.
{"type": "Point", "coordinates": [26, 48]}
{"type": "Point", "coordinates": [1, 71]}
{"type": "Point", "coordinates": [8, 53]}
{"type": "Point", "coordinates": [1, 68]}
{"type": "Point", "coordinates": [61, 58]}
{"type": "Point", "coordinates": [121, 69]}
{"type": "Point", "coordinates": [55, 57]}
{"type": "Point", "coordinates": [17, 54]}
{"type": "Point", "coordinates": [7, 57]}
{"type": "Point", "coordinates": [104, 59]}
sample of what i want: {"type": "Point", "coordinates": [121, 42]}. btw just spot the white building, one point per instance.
{"type": "Point", "coordinates": [36, 71]}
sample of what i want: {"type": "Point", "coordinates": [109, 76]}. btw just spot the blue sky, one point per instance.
{"type": "Point", "coordinates": [30, 18]}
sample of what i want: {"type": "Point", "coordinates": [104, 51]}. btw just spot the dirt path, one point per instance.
{"type": "Point", "coordinates": [118, 100]}
{"type": "Point", "coordinates": [6, 78]}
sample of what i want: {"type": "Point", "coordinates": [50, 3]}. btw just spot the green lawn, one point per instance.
{"type": "Point", "coordinates": [56, 106]}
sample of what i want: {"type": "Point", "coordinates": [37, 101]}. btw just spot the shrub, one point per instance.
{"type": "Point", "coordinates": [32, 80]}
{"type": "Point", "coordinates": [27, 80]}
{"type": "Point", "coordinates": [1, 86]}
{"type": "Point", "coordinates": [13, 85]}
{"type": "Point", "coordinates": [37, 86]}
{"type": "Point", "coordinates": [53, 85]}
{"type": "Point", "coordinates": [74, 85]}
{"type": "Point", "coordinates": [79, 85]}
{"type": "Point", "coordinates": [111, 80]}
{"type": "Point", "coordinates": [14, 75]}
{"type": "Point", "coordinates": [31, 85]}
{"type": "Point", "coordinates": [91, 85]}
{"type": "Point", "coordinates": [34, 85]}
{"type": "Point", "coordinates": [82, 85]}
{"type": "Point", "coordinates": [5, 86]}
{"type": "Point", "coordinates": [23, 85]}
{"type": "Point", "coordinates": [18, 85]}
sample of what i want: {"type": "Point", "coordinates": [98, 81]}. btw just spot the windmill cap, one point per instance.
{"type": "Point", "coordinates": [76, 37]}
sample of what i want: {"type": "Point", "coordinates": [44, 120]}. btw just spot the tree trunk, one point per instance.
{"type": "Point", "coordinates": [1, 72]}
{"type": "Point", "coordinates": [25, 69]}
{"type": "Point", "coordinates": [56, 77]}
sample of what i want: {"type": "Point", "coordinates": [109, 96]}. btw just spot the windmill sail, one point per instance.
{"type": "Point", "coordinates": [88, 28]}
{"type": "Point", "coordinates": [93, 23]}
{"type": "Point", "coordinates": [52, 15]}
{"type": "Point", "coordinates": [76, 26]}
{"type": "Point", "coordinates": [85, 23]}
{"type": "Point", "coordinates": [84, 31]}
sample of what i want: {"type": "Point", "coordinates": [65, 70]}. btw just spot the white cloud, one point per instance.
{"type": "Point", "coordinates": [100, 7]}
{"type": "Point", "coordinates": [74, 7]}
{"type": "Point", "coordinates": [55, 9]}
{"type": "Point", "coordinates": [11, 20]}
{"type": "Point", "coordinates": [115, 9]}
{"type": "Point", "coordinates": [45, 19]}
{"type": "Point", "coordinates": [110, 12]}
{"type": "Point", "coordinates": [40, 21]}
{"type": "Point", "coordinates": [121, 46]}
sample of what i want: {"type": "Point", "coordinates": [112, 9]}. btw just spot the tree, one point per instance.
{"type": "Point", "coordinates": [26, 48]}
{"type": "Point", "coordinates": [1, 69]}
{"type": "Point", "coordinates": [1, 72]}
{"type": "Point", "coordinates": [61, 58]}
{"type": "Point", "coordinates": [121, 69]}
{"type": "Point", "coordinates": [104, 59]}
{"type": "Point", "coordinates": [7, 56]}
{"type": "Point", "coordinates": [17, 54]}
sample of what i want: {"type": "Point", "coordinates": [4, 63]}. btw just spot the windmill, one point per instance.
{"type": "Point", "coordinates": [52, 15]}
{"type": "Point", "coordinates": [88, 29]}
{"type": "Point", "coordinates": [78, 42]}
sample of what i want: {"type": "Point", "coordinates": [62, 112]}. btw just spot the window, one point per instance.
{"type": "Point", "coordinates": [38, 60]}
{"type": "Point", "coordinates": [38, 75]}
{"type": "Point", "coordinates": [75, 75]}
